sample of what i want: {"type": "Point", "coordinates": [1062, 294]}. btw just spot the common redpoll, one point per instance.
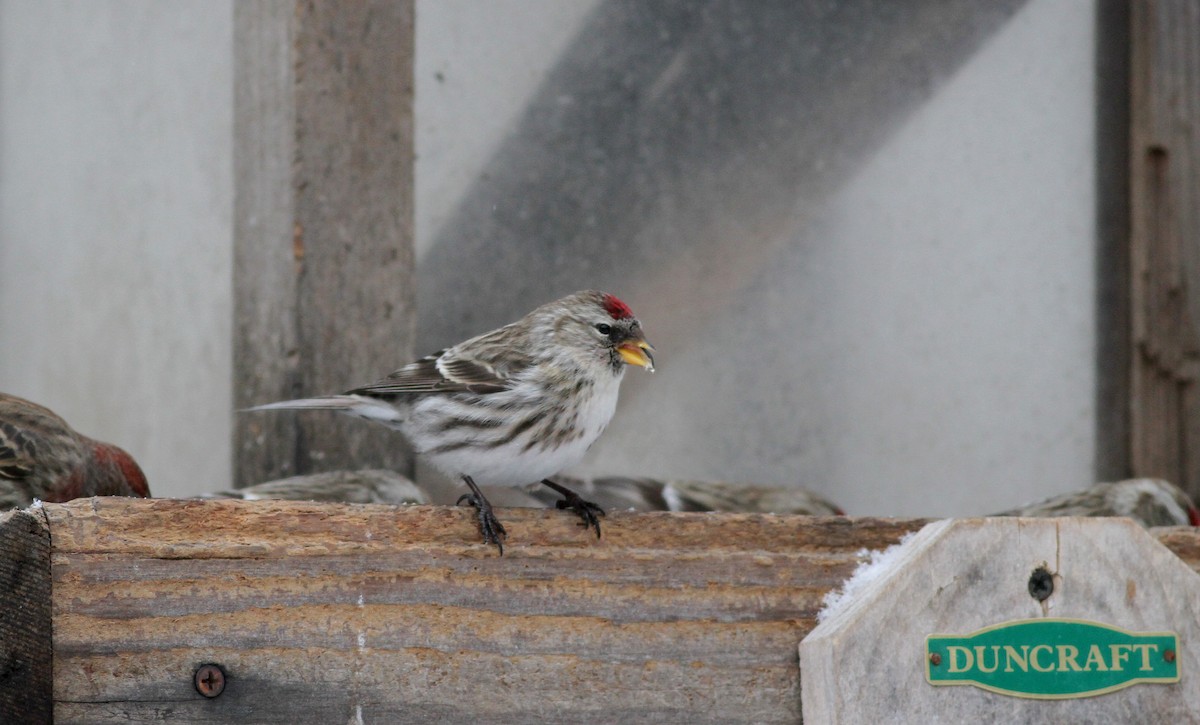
{"type": "Point", "coordinates": [690, 495]}
{"type": "Point", "coordinates": [511, 406]}
{"type": "Point", "coordinates": [1148, 501]}
{"type": "Point", "coordinates": [366, 486]}
{"type": "Point", "coordinates": [41, 457]}
{"type": "Point", "coordinates": [658, 494]}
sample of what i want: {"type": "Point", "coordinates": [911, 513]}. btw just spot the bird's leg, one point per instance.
{"type": "Point", "coordinates": [492, 530]}
{"type": "Point", "coordinates": [586, 510]}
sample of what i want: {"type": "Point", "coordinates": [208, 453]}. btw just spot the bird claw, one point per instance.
{"type": "Point", "coordinates": [491, 528]}
{"type": "Point", "coordinates": [586, 510]}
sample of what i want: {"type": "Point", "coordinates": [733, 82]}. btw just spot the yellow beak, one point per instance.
{"type": "Point", "coordinates": [637, 353]}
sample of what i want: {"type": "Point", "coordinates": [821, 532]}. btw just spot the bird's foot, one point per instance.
{"type": "Point", "coordinates": [491, 528]}
{"type": "Point", "coordinates": [589, 512]}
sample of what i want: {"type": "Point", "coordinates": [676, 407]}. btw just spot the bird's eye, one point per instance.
{"type": "Point", "coordinates": [603, 329]}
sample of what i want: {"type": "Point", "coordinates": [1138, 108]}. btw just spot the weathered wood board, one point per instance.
{"type": "Point", "coordinates": [347, 613]}
{"type": "Point", "coordinates": [323, 287]}
{"type": "Point", "coordinates": [1165, 240]}
{"type": "Point", "coordinates": [25, 643]}
{"type": "Point", "coordinates": [374, 613]}
{"type": "Point", "coordinates": [866, 661]}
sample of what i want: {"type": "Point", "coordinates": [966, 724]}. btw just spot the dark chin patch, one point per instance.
{"type": "Point", "coordinates": [615, 361]}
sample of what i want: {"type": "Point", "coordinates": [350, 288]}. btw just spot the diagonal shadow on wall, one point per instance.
{"type": "Point", "coordinates": [685, 129]}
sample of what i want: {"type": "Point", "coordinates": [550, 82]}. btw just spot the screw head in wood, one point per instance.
{"type": "Point", "coordinates": [209, 680]}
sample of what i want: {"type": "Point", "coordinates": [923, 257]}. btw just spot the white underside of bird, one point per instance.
{"type": "Point", "coordinates": [527, 457]}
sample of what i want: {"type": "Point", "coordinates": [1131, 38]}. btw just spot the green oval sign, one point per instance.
{"type": "Point", "coordinates": [1052, 658]}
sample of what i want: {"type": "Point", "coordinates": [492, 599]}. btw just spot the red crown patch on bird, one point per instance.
{"type": "Point", "coordinates": [617, 309]}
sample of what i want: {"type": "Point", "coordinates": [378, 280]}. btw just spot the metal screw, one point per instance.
{"type": "Point", "coordinates": [209, 680]}
{"type": "Point", "coordinates": [935, 658]}
{"type": "Point", "coordinates": [1169, 655]}
{"type": "Point", "coordinates": [1041, 584]}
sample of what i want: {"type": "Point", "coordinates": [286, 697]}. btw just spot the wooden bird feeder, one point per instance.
{"type": "Point", "coordinates": [271, 611]}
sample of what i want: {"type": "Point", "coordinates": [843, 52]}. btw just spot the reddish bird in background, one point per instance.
{"type": "Point", "coordinates": [511, 406]}
{"type": "Point", "coordinates": [41, 457]}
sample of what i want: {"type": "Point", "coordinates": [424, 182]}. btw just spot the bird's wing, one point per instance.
{"type": "Point", "coordinates": [16, 452]}
{"type": "Point", "coordinates": [484, 364]}
{"type": "Point", "coordinates": [442, 372]}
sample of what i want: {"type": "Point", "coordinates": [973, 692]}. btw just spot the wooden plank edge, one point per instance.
{"type": "Point", "coordinates": [26, 645]}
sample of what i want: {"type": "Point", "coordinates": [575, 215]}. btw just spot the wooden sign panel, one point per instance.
{"type": "Point", "coordinates": [1041, 620]}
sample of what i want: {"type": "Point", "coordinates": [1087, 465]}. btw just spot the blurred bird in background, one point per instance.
{"type": "Point", "coordinates": [365, 486]}
{"type": "Point", "coordinates": [658, 494]}
{"type": "Point", "coordinates": [512, 406]}
{"type": "Point", "coordinates": [41, 457]}
{"type": "Point", "coordinates": [1148, 501]}
{"type": "Point", "coordinates": [685, 495]}
{"type": "Point", "coordinates": [620, 493]}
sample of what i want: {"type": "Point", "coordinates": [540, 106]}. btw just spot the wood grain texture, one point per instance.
{"type": "Point", "coordinates": [1165, 240]}
{"type": "Point", "coordinates": [341, 613]}
{"type": "Point", "coordinates": [329, 613]}
{"type": "Point", "coordinates": [25, 643]}
{"type": "Point", "coordinates": [323, 226]}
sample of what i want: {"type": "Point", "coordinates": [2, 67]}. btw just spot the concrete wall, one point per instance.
{"type": "Point", "coordinates": [477, 67]}
{"type": "Point", "coordinates": [115, 225]}
{"type": "Point", "coordinates": [862, 236]}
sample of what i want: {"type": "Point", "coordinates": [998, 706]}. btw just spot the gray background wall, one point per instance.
{"type": "Point", "coordinates": [863, 236]}
{"type": "Point", "coordinates": [116, 205]}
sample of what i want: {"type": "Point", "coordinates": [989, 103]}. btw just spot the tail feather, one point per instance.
{"type": "Point", "coordinates": [357, 405]}
{"type": "Point", "coordinates": [328, 402]}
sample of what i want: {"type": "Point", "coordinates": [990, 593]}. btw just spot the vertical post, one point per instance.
{"type": "Point", "coordinates": [26, 653]}
{"type": "Point", "coordinates": [1165, 240]}
{"type": "Point", "coordinates": [323, 235]}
